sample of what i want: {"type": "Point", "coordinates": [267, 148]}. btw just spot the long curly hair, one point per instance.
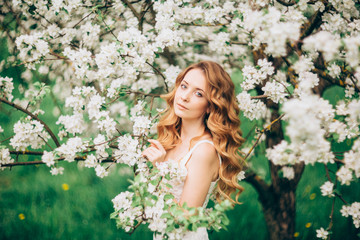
{"type": "Point", "coordinates": [222, 123]}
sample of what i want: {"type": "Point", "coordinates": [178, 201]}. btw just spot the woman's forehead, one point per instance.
{"type": "Point", "coordinates": [196, 78]}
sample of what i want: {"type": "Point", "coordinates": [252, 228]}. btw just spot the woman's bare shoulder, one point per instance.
{"type": "Point", "coordinates": [205, 152]}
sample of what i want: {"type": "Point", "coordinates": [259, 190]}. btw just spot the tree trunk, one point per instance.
{"type": "Point", "coordinates": [279, 212]}
{"type": "Point", "coordinates": [278, 199]}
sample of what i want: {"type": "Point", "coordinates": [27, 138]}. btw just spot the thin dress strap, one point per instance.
{"type": "Point", "coordinates": [188, 155]}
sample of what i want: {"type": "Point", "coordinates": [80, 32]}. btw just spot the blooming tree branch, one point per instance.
{"type": "Point", "coordinates": [34, 117]}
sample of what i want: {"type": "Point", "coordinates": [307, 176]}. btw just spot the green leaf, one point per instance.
{"type": "Point", "coordinates": [149, 203]}
{"type": "Point", "coordinates": [166, 215]}
{"type": "Point", "coordinates": [113, 215]}
{"type": "Point", "coordinates": [170, 228]}
{"type": "Point", "coordinates": [336, 136]}
{"type": "Point", "coordinates": [168, 196]}
{"type": "Point", "coordinates": [154, 182]}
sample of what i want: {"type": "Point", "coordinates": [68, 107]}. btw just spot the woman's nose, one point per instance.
{"type": "Point", "coordinates": [185, 96]}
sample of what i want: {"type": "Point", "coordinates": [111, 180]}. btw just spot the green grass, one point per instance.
{"type": "Point", "coordinates": [82, 212]}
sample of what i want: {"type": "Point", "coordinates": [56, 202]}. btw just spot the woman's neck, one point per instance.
{"type": "Point", "coordinates": [191, 129]}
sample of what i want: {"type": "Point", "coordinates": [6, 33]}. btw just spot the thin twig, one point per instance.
{"type": "Point", "coordinates": [142, 93]}
{"type": "Point", "coordinates": [34, 117]}
{"type": "Point", "coordinates": [259, 97]}
{"type": "Point", "coordinates": [82, 19]}
{"type": "Point", "coordinates": [261, 133]}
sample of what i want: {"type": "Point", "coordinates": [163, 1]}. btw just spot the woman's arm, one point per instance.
{"type": "Point", "coordinates": [203, 167]}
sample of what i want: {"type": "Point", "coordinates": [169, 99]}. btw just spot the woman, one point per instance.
{"type": "Point", "coordinates": [200, 129]}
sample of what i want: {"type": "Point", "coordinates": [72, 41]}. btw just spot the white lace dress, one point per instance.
{"type": "Point", "coordinates": [201, 233]}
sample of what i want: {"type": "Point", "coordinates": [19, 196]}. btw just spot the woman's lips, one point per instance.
{"type": "Point", "coordinates": [182, 106]}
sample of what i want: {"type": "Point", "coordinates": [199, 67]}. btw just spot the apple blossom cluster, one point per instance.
{"type": "Point", "coordinates": [347, 128]}
{"type": "Point", "coordinates": [308, 117]}
{"type": "Point", "coordinates": [5, 157]}
{"type": "Point", "coordinates": [151, 201]}
{"type": "Point", "coordinates": [352, 210]}
{"type": "Point", "coordinates": [6, 87]}
{"type": "Point", "coordinates": [141, 122]}
{"type": "Point", "coordinates": [351, 159]}
{"type": "Point", "coordinates": [80, 59]}
{"type": "Point", "coordinates": [32, 47]}
{"type": "Point", "coordinates": [128, 151]}
{"type": "Point", "coordinates": [171, 73]}
{"type": "Point", "coordinates": [288, 172]}
{"type": "Point", "coordinates": [69, 149]}
{"type": "Point", "coordinates": [267, 28]}
{"type": "Point", "coordinates": [254, 76]}
{"type": "Point", "coordinates": [86, 100]}
{"type": "Point", "coordinates": [49, 159]}
{"type": "Point", "coordinates": [276, 91]}
{"type": "Point", "coordinates": [251, 108]}
{"type": "Point", "coordinates": [57, 170]}
{"type": "Point", "coordinates": [327, 189]}
{"type": "Point", "coordinates": [322, 233]}
{"type": "Point", "coordinates": [29, 133]}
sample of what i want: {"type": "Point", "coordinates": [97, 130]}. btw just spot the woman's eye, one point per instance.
{"type": "Point", "coordinates": [183, 86]}
{"type": "Point", "coordinates": [198, 94]}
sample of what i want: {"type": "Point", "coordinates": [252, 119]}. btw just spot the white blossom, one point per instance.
{"type": "Point", "coordinates": [6, 87]}
{"type": "Point", "coordinates": [32, 47]}
{"type": "Point", "coordinates": [128, 151]}
{"type": "Point", "coordinates": [5, 157]}
{"type": "Point", "coordinates": [324, 42]}
{"type": "Point", "coordinates": [322, 233]}
{"type": "Point", "coordinates": [351, 158]}
{"type": "Point", "coordinates": [327, 189]}
{"type": "Point", "coordinates": [48, 158]}
{"type": "Point", "coordinates": [275, 91]}
{"type": "Point", "coordinates": [288, 172]}
{"type": "Point", "coordinates": [252, 108]}
{"type": "Point", "coordinates": [91, 161]}
{"type": "Point", "coordinates": [123, 200]}
{"type": "Point", "coordinates": [171, 73]}
{"type": "Point", "coordinates": [101, 146]}
{"type": "Point", "coordinates": [304, 64]}
{"type": "Point", "coordinates": [57, 171]}
{"type": "Point", "coordinates": [30, 133]}
{"type": "Point", "coordinates": [354, 211]}
{"type": "Point", "coordinates": [69, 149]}
{"type": "Point", "coordinates": [73, 124]}
{"type": "Point", "coordinates": [253, 76]}
{"type": "Point", "coordinates": [101, 171]}
{"type": "Point", "coordinates": [141, 124]}
{"type": "Point", "coordinates": [94, 105]}
{"type": "Point", "coordinates": [344, 175]}
{"type": "Point", "coordinates": [241, 176]}
{"type": "Point", "coordinates": [334, 70]}
{"type": "Point", "coordinates": [108, 125]}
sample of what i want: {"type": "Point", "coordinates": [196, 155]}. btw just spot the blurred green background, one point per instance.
{"type": "Point", "coordinates": [36, 205]}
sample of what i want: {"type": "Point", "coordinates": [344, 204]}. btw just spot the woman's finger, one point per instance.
{"type": "Point", "coordinates": [157, 144]}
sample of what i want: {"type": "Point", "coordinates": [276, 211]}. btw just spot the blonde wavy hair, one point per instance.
{"type": "Point", "coordinates": [222, 123]}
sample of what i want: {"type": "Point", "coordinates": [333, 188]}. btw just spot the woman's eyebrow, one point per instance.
{"type": "Point", "coordinates": [195, 88]}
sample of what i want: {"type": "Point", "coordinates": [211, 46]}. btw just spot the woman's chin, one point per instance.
{"type": "Point", "coordinates": [179, 113]}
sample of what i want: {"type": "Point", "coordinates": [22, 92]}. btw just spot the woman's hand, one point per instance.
{"type": "Point", "coordinates": [154, 153]}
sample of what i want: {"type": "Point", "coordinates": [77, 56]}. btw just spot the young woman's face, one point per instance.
{"type": "Point", "coordinates": [190, 101]}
